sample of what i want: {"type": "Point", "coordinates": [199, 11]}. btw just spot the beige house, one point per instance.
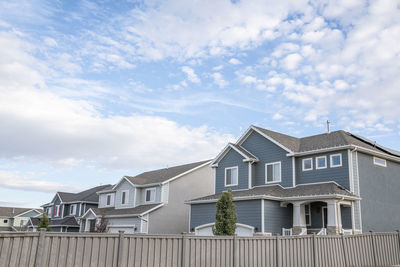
{"type": "Point", "coordinates": [16, 219]}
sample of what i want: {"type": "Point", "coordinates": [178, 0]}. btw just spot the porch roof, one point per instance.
{"type": "Point", "coordinates": [277, 192]}
{"type": "Point", "coordinates": [136, 211]}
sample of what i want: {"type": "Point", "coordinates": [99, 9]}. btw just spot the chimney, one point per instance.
{"type": "Point", "coordinates": [327, 125]}
{"type": "Point", "coordinates": [13, 211]}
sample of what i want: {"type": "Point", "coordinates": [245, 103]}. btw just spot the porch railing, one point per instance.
{"type": "Point", "coordinates": [303, 231]}
{"type": "Point", "coordinates": [322, 231]}
{"type": "Point", "coordinates": [287, 231]}
{"type": "Point", "coordinates": [347, 231]}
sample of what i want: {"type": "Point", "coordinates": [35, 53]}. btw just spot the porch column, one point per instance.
{"type": "Point", "coordinates": [332, 226]}
{"type": "Point", "coordinates": [87, 225]}
{"type": "Point", "coordinates": [299, 218]}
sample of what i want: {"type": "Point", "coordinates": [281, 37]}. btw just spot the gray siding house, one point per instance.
{"type": "Point", "coordinates": [66, 208]}
{"type": "Point", "coordinates": [151, 202]}
{"type": "Point", "coordinates": [331, 183]}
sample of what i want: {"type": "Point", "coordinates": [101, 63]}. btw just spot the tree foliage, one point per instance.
{"type": "Point", "coordinates": [225, 218]}
{"type": "Point", "coordinates": [101, 226]}
{"type": "Point", "coordinates": [44, 223]}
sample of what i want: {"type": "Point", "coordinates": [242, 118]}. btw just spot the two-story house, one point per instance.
{"type": "Point", "coordinates": [151, 202]}
{"type": "Point", "coordinates": [65, 208]}
{"type": "Point", "coordinates": [333, 182]}
{"type": "Point", "coordinates": [16, 219]}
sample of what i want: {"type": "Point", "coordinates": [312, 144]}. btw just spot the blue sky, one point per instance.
{"type": "Point", "coordinates": [91, 91]}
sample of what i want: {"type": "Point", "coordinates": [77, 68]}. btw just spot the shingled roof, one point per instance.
{"type": "Point", "coordinates": [161, 175]}
{"type": "Point", "coordinates": [87, 195]}
{"type": "Point", "coordinates": [9, 212]}
{"type": "Point", "coordinates": [280, 193]}
{"type": "Point", "coordinates": [129, 211]}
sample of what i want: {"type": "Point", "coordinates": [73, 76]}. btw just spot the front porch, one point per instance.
{"type": "Point", "coordinates": [321, 216]}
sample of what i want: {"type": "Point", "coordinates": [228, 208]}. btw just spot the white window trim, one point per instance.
{"type": "Point", "coordinates": [126, 197]}
{"type": "Point", "coordinates": [73, 207]}
{"type": "Point", "coordinates": [379, 164]}
{"type": "Point", "coordinates": [309, 213]}
{"type": "Point", "coordinates": [302, 164]}
{"type": "Point", "coordinates": [280, 173]}
{"type": "Point", "coordinates": [108, 205]}
{"type": "Point", "coordinates": [330, 160]}
{"type": "Point", "coordinates": [145, 195]}
{"type": "Point", "coordinates": [237, 180]}
{"type": "Point", "coordinates": [58, 211]}
{"type": "Point", "coordinates": [316, 163]}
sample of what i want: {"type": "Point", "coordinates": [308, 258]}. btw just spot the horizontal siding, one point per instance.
{"type": "Point", "coordinates": [268, 152]}
{"type": "Point", "coordinates": [277, 217]}
{"type": "Point", "coordinates": [124, 186]}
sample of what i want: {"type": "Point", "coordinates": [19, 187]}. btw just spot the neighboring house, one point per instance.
{"type": "Point", "coordinates": [65, 208]}
{"type": "Point", "coordinates": [16, 219]}
{"type": "Point", "coordinates": [151, 202]}
{"type": "Point", "coordinates": [333, 182]}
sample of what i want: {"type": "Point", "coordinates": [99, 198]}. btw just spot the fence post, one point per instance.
{"type": "Point", "coordinates": [314, 250]}
{"type": "Point", "coordinates": [398, 235]}
{"type": "Point", "coordinates": [40, 248]}
{"type": "Point", "coordinates": [278, 251]}
{"type": "Point", "coordinates": [120, 247]}
{"type": "Point", "coordinates": [344, 251]}
{"type": "Point", "coordinates": [183, 250]}
{"type": "Point", "coordinates": [235, 251]}
{"type": "Point", "coordinates": [373, 246]}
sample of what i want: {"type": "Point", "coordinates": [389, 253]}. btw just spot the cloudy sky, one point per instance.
{"type": "Point", "coordinates": [92, 91]}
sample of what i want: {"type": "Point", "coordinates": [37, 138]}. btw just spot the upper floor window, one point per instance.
{"type": "Point", "coordinates": [108, 203]}
{"type": "Point", "coordinates": [124, 197]}
{"type": "Point", "coordinates": [57, 211]}
{"type": "Point", "coordinates": [151, 195]}
{"type": "Point", "coordinates": [336, 160]}
{"type": "Point", "coordinates": [49, 212]}
{"type": "Point", "coordinates": [273, 172]}
{"type": "Point", "coordinates": [5, 221]}
{"type": "Point", "coordinates": [307, 164]}
{"type": "Point", "coordinates": [380, 162]}
{"type": "Point", "coordinates": [307, 212]}
{"type": "Point", "coordinates": [320, 162]}
{"type": "Point", "coordinates": [231, 176]}
{"type": "Point", "coordinates": [72, 209]}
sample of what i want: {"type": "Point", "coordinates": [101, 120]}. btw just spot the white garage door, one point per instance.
{"type": "Point", "coordinates": [116, 229]}
{"type": "Point", "coordinates": [241, 230]}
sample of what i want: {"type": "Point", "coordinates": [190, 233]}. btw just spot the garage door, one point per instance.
{"type": "Point", "coordinates": [116, 229]}
{"type": "Point", "coordinates": [241, 230]}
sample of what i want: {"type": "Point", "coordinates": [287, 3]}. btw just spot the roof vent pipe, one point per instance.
{"type": "Point", "coordinates": [327, 125]}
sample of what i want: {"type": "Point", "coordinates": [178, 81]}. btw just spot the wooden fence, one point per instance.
{"type": "Point", "coordinates": [74, 249]}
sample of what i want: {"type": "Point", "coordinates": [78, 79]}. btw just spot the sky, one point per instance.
{"type": "Point", "coordinates": [91, 91]}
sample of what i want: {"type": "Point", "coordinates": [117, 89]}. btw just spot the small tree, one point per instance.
{"type": "Point", "coordinates": [101, 226]}
{"type": "Point", "coordinates": [44, 223]}
{"type": "Point", "coordinates": [225, 218]}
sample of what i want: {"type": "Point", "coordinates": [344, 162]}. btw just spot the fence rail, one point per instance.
{"type": "Point", "coordinates": [75, 249]}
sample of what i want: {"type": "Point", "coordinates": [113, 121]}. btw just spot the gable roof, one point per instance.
{"type": "Point", "coordinates": [163, 175]}
{"type": "Point", "coordinates": [136, 211]}
{"type": "Point", "coordinates": [11, 212]}
{"type": "Point", "coordinates": [239, 149]}
{"type": "Point", "coordinates": [88, 195]}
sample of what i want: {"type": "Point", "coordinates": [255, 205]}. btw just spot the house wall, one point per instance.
{"type": "Point", "coordinates": [123, 186]}
{"type": "Point", "coordinates": [103, 200]}
{"type": "Point", "coordinates": [125, 222]}
{"type": "Point", "coordinates": [5, 224]}
{"type": "Point", "coordinates": [173, 217]}
{"type": "Point", "coordinates": [231, 159]}
{"type": "Point", "coordinates": [277, 217]}
{"type": "Point", "coordinates": [379, 189]}
{"type": "Point", "coordinates": [57, 201]}
{"type": "Point", "coordinates": [339, 175]}
{"type": "Point", "coordinates": [268, 152]}
{"type": "Point", "coordinates": [141, 195]}
{"type": "Point", "coordinates": [248, 212]}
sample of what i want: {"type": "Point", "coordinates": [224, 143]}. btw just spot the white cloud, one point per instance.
{"type": "Point", "coordinates": [235, 61]}
{"type": "Point", "coordinates": [277, 116]}
{"type": "Point", "coordinates": [218, 68]}
{"type": "Point", "coordinates": [219, 80]}
{"type": "Point", "coordinates": [291, 62]}
{"type": "Point", "coordinates": [191, 75]}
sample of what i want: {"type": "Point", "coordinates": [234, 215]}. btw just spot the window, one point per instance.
{"type": "Point", "coordinates": [307, 211]}
{"type": "Point", "coordinates": [21, 223]}
{"type": "Point", "coordinates": [72, 210]}
{"type": "Point", "coordinates": [231, 176]}
{"type": "Point", "coordinates": [321, 162]}
{"type": "Point", "coordinates": [336, 160]}
{"type": "Point", "coordinates": [108, 200]}
{"type": "Point", "coordinates": [150, 195]}
{"type": "Point", "coordinates": [49, 212]}
{"type": "Point", "coordinates": [57, 210]}
{"type": "Point", "coordinates": [273, 172]}
{"type": "Point", "coordinates": [380, 162]}
{"type": "Point", "coordinates": [124, 197]}
{"type": "Point", "coordinates": [307, 164]}
{"type": "Point", "coordinates": [5, 221]}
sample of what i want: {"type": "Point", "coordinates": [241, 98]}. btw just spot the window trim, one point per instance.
{"type": "Point", "coordinates": [302, 164]}
{"type": "Point", "coordinates": [126, 197]}
{"type": "Point", "coordinates": [237, 180]}
{"type": "Point", "coordinates": [309, 214]}
{"type": "Point", "coordinates": [379, 164]}
{"type": "Point", "coordinates": [106, 204]}
{"type": "Point", "coordinates": [145, 195]}
{"type": "Point", "coordinates": [74, 209]}
{"type": "Point", "coordinates": [316, 163]}
{"type": "Point", "coordinates": [330, 160]}
{"type": "Point", "coordinates": [280, 173]}
{"type": "Point", "coordinates": [57, 211]}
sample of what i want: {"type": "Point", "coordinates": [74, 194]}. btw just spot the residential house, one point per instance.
{"type": "Point", "coordinates": [332, 182]}
{"type": "Point", "coordinates": [65, 208]}
{"type": "Point", "coordinates": [15, 219]}
{"type": "Point", "coordinates": [151, 202]}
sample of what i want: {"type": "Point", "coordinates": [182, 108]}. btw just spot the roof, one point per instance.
{"type": "Point", "coordinates": [87, 195]}
{"type": "Point", "coordinates": [161, 175]}
{"type": "Point", "coordinates": [130, 211]}
{"type": "Point", "coordinates": [67, 221]}
{"type": "Point", "coordinates": [10, 212]}
{"type": "Point", "coordinates": [325, 140]}
{"type": "Point", "coordinates": [277, 191]}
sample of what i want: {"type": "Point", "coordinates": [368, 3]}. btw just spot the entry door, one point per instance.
{"type": "Point", "coordinates": [324, 217]}
{"type": "Point", "coordinates": [92, 225]}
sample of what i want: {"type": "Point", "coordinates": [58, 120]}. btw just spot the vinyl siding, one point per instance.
{"type": "Point", "coordinates": [379, 189]}
{"type": "Point", "coordinates": [267, 152]}
{"type": "Point", "coordinates": [103, 200]}
{"type": "Point", "coordinates": [277, 217]}
{"type": "Point", "coordinates": [124, 186]}
{"type": "Point", "coordinates": [232, 159]}
{"type": "Point", "coordinates": [141, 195]}
{"type": "Point", "coordinates": [339, 175]}
{"type": "Point", "coordinates": [248, 212]}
